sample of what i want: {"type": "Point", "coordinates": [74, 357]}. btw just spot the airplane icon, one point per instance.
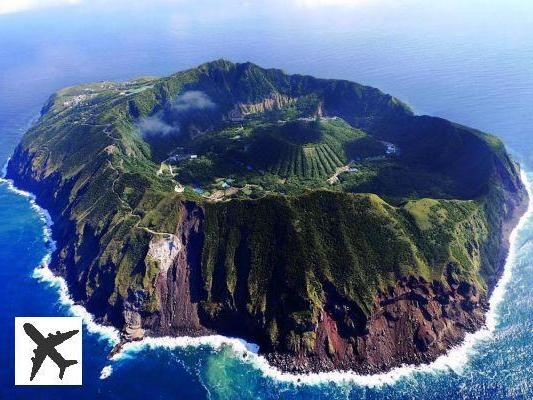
{"type": "Point", "coordinates": [46, 347]}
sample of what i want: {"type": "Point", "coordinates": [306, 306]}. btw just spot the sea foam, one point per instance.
{"type": "Point", "coordinates": [45, 275]}
{"type": "Point", "coordinates": [456, 359]}
{"type": "Point", "coordinates": [106, 372]}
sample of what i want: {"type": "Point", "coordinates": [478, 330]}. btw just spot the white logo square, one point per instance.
{"type": "Point", "coordinates": [48, 351]}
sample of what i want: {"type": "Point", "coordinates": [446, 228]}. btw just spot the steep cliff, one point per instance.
{"type": "Point", "coordinates": [204, 202]}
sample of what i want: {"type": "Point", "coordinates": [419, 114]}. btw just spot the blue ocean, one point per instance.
{"type": "Point", "coordinates": [468, 61]}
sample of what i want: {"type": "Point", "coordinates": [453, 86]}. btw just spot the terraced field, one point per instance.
{"type": "Point", "coordinates": [304, 148]}
{"type": "Point", "coordinates": [305, 161]}
{"type": "Point", "coordinates": [267, 152]}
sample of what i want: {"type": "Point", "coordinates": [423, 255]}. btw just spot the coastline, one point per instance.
{"type": "Point", "coordinates": [454, 359]}
{"type": "Point", "coordinates": [44, 274]}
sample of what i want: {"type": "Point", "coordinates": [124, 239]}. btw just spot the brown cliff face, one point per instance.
{"type": "Point", "coordinates": [414, 322]}
{"type": "Point", "coordinates": [178, 283]}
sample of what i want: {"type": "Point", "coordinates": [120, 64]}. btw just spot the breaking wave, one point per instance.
{"type": "Point", "coordinates": [45, 275]}
{"type": "Point", "coordinates": [106, 372]}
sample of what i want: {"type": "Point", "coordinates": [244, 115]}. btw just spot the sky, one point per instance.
{"type": "Point", "coordinates": [17, 6]}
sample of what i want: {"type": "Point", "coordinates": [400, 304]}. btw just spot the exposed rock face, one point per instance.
{"type": "Point", "coordinates": [164, 249]}
{"type": "Point", "coordinates": [178, 282]}
{"type": "Point", "coordinates": [132, 325]}
{"type": "Point", "coordinates": [415, 321]}
{"type": "Point", "coordinates": [277, 101]}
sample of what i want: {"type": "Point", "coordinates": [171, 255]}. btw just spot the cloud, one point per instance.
{"type": "Point", "coordinates": [16, 6]}
{"type": "Point", "coordinates": [192, 100]}
{"type": "Point", "coordinates": [155, 126]}
{"type": "Point", "coordinates": [168, 121]}
{"type": "Point", "coordinates": [330, 3]}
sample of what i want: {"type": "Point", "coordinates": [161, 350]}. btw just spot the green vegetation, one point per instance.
{"type": "Point", "coordinates": [312, 191]}
{"type": "Point", "coordinates": [300, 149]}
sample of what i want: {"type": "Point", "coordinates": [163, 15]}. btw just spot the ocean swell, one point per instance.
{"type": "Point", "coordinates": [454, 360]}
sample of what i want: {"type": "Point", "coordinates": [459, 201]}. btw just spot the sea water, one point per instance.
{"type": "Point", "coordinates": [467, 62]}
